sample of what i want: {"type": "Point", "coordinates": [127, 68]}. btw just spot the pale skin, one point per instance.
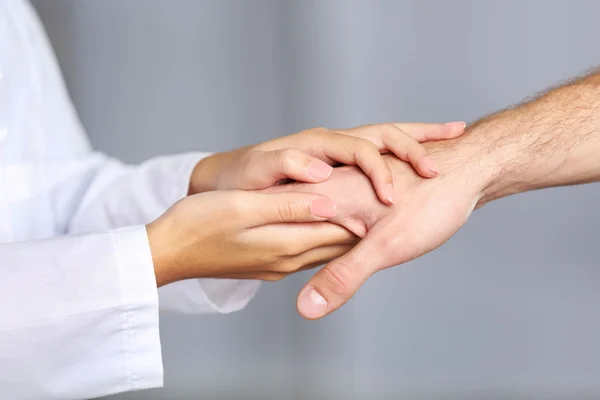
{"type": "Point", "coordinates": [225, 228]}
{"type": "Point", "coordinates": [551, 141]}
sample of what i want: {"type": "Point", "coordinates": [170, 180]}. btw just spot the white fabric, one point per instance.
{"type": "Point", "coordinates": [78, 299]}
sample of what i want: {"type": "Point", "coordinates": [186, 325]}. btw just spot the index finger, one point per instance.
{"type": "Point", "coordinates": [420, 131]}
{"type": "Point", "coordinates": [352, 150]}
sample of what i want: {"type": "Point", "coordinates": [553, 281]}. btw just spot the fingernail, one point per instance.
{"type": "Point", "coordinates": [311, 304]}
{"type": "Point", "coordinates": [389, 193]}
{"type": "Point", "coordinates": [460, 124]}
{"type": "Point", "coordinates": [319, 170]}
{"type": "Point", "coordinates": [322, 207]}
{"type": "Point", "coordinates": [430, 164]}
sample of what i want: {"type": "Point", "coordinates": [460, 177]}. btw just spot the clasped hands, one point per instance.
{"type": "Point", "coordinates": [377, 208]}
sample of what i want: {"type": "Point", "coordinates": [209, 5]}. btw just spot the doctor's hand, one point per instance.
{"type": "Point", "coordinates": [426, 214]}
{"type": "Point", "coordinates": [308, 156]}
{"type": "Point", "coordinates": [245, 235]}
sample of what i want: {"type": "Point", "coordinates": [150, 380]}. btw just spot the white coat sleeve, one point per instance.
{"type": "Point", "coordinates": [78, 316]}
{"type": "Point", "coordinates": [90, 191]}
{"type": "Point", "coordinates": [111, 195]}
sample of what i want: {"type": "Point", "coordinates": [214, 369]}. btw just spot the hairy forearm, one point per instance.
{"type": "Point", "coordinates": [553, 140]}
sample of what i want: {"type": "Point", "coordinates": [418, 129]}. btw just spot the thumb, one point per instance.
{"type": "Point", "coordinates": [273, 208]}
{"type": "Point", "coordinates": [336, 283]}
{"type": "Point", "coordinates": [268, 168]}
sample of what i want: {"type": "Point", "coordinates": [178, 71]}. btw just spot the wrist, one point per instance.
{"type": "Point", "coordinates": [548, 142]}
{"type": "Point", "coordinates": [160, 255]}
{"type": "Point", "coordinates": [497, 157]}
{"type": "Point", "coordinates": [465, 164]}
{"type": "Point", "coordinates": [489, 157]}
{"type": "Point", "coordinates": [206, 173]}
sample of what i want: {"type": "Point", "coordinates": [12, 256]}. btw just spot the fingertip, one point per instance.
{"type": "Point", "coordinates": [425, 173]}
{"type": "Point", "coordinates": [424, 169]}
{"type": "Point", "coordinates": [389, 193]}
{"type": "Point", "coordinates": [430, 165]}
{"type": "Point", "coordinates": [456, 128]}
{"type": "Point", "coordinates": [311, 304]}
{"type": "Point", "coordinates": [323, 207]}
{"type": "Point", "coordinates": [384, 191]}
{"type": "Point", "coordinates": [318, 170]}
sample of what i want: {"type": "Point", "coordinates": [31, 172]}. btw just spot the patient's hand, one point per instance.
{"type": "Point", "coordinates": [426, 213]}
{"type": "Point", "coordinates": [357, 205]}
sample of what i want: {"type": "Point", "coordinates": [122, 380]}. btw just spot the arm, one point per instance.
{"type": "Point", "coordinates": [108, 194]}
{"type": "Point", "coordinates": [78, 316]}
{"type": "Point", "coordinates": [551, 141]}
{"type": "Point", "coordinates": [78, 190]}
{"type": "Point", "coordinates": [79, 313]}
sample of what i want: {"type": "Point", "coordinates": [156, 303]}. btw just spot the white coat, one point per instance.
{"type": "Point", "coordinates": [79, 307]}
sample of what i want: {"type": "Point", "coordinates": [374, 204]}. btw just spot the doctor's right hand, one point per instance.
{"type": "Point", "coordinates": [245, 235]}
{"type": "Point", "coordinates": [309, 156]}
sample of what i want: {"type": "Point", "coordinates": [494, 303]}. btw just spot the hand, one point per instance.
{"type": "Point", "coordinates": [308, 156]}
{"type": "Point", "coordinates": [426, 214]}
{"type": "Point", "coordinates": [245, 235]}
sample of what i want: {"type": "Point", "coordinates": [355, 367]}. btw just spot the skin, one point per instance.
{"type": "Point", "coordinates": [553, 140]}
{"type": "Point", "coordinates": [220, 231]}
{"type": "Point", "coordinates": [308, 156]}
{"type": "Point", "coordinates": [236, 233]}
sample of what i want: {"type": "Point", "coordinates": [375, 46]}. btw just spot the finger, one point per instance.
{"type": "Point", "coordinates": [424, 132]}
{"type": "Point", "coordinates": [337, 282]}
{"type": "Point", "coordinates": [389, 137]}
{"type": "Point", "coordinates": [410, 150]}
{"type": "Point", "coordinates": [272, 208]}
{"type": "Point", "coordinates": [259, 276]}
{"type": "Point", "coordinates": [273, 166]}
{"type": "Point", "coordinates": [299, 238]}
{"type": "Point", "coordinates": [313, 258]}
{"type": "Point", "coordinates": [303, 262]}
{"type": "Point", "coordinates": [354, 150]}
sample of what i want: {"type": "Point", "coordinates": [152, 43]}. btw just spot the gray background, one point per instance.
{"type": "Point", "coordinates": [507, 309]}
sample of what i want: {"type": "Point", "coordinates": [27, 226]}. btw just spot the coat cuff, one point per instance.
{"type": "Point", "coordinates": [140, 324]}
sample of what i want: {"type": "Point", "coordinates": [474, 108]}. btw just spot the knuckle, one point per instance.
{"type": "Point", "coordinates": [368, 148]}
{"type": "Point", "coordinates": [337, 278]}
{"type": "Point", "coordinates": [290, 249]}
{"type": "Point", "coordinates": [288, 266]}
{"type": "Point", "coordinates": [403, 250]}
{"type": "Point", "coordinates": [287, 159]}
{"type": "Point", "coordinates": [403, 153]}
{"type": "Point", "coordinates": [370, 159]}
{"type": "Point", "coordinates": [362, 149]}
{"type": "Point", "coordinates": [315, 132]}
{"type": "Point", "coordinates": [289, 211]}
{"type": "Point", "coordinates": [389, 242]}
{"type": "Point", "coordinates": [415, 151]}
{"type": "Point", "coordinates": [265, 252]}
{"type": "Point", "coordinates": [387, 137]}
{"type": "Point", "coordinates": [389, 127]}
{"type": "Point", "coordinates": [321, 131]}
{"type": "Point", "coordinates": [363, 144]}
{"type": "Point", "coordinates": [371, 148]}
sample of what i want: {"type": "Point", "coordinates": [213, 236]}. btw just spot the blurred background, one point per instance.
{"type": "Point", "coordinates": [508, 309]}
